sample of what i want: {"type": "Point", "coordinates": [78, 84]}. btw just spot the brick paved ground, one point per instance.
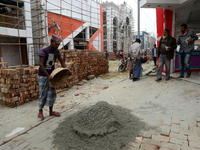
{"type": "Point", "coordinates": [40, 136]}
{"type": "Point", "coordinates": [175, 134]}
{"type": "Point", "coordinates": [155, 106]}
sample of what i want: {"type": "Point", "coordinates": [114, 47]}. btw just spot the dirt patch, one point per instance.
{"type": "Point", "coordinates": [101, 126]}
{"type": "Point", "coordinates": [113, 71]}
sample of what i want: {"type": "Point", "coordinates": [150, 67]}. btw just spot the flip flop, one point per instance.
{"type": "Point", "coordinates": [56, 114]}
{"type": "Point", "coordinates": [41, 116]}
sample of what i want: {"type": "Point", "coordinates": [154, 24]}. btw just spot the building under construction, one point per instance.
{"type": "Point", "coordinates": [118, 26]}
{"type": "Point", "coordinates": [26, 26]}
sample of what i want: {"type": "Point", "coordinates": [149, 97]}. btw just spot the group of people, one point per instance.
{"type": "Point", "coordinates": [165, 52]}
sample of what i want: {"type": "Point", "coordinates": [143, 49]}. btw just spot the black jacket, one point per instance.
{"type": "Point", "coordinates": [171, 42]}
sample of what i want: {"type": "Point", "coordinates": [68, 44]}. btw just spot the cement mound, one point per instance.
{"type": "Point", "coordinates": [99, 127]}
{"type": "Point", "coordinates": [99, 119]}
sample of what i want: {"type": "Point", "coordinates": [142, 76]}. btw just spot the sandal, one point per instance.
{"type": "Point", "coordinates": [56, 114]}
{"type": "Point", "coordinates": [41, 116]}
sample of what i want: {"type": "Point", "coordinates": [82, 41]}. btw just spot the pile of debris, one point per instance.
{"type": "Point", "coordinates": [19, 86]}
{"type": "Point", "coordinates": [100, 127]}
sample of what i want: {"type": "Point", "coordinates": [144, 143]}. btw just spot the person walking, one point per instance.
{"type": "Point", "coordinates": [106, 54]}
{"type": "Point", "coordinates": [166, 48]}
{"type": "Point", "coordinates": [48, 56]}
{"type": "Point", "coordinates": [186, 41]}
{"type": "Point", "coordinates": [135, 53]}
{"type": "Point", "coordinates": [155, 54]}
{"type": "Point", "coordinates": [118, 54]}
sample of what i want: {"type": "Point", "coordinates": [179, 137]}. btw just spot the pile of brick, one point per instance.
{"type": "Point", "coordinates": [111, 56]}
{"type": "Point", "coordinates": [83, 63]}
{"type": "Point", "coordinates": [19, 86]}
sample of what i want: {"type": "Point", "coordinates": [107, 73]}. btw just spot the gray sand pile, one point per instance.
{"type": "Point", "coordinates": [99, 127]}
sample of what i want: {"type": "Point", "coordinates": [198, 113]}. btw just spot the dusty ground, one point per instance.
{"type": "Point", "coordinates": [152, 102]}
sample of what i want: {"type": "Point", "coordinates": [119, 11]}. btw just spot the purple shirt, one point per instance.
{"type": "Point", "coordinates": [50, 58]}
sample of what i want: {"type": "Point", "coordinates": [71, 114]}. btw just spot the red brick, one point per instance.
{"type": "Point", "coordinates": [184, 125]}
{"type": "Point", "coordinates": [176, 120]}
{"type": "Point", "coordinates": [10, 138]}
{"type": "Point", "coordinates": [148, 147]}
{"type": "Point", "coordinates": [178, 136]}
{"type": "Point", "coordinates": [179, 142]}
{"type": "Point", "coordinates": [194, 144]}
{"type": "Point", "coordinates": [188, 148]}
{"type": "Point", "coordinates": [160, 138]}
{"type": "Point", "coordinates": [175, 128]}
{"type": "Point", "coordinates": [194, 138]}
{"type": "Point", "coordinates": [170, 146]}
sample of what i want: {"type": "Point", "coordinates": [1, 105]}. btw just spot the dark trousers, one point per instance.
{"type": "Point", "coordinates": [155, 60]}
{"type": "Point", "coordinates": [184, 59]}
{"type": "Point", "coordinates": [164, 61]}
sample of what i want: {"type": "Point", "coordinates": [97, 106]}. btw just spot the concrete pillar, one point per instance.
{"type": "Point", "coordinates": [30, 52]}
{"type": "Point", "coordinates": [71, 44]}
{"type": "Point", "coordinates": [87, 34]}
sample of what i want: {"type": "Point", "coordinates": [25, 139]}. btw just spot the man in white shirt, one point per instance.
{"type": "Point", "coordinates": [155, 54]}
{"type": "Point", "coordinates": [135, 50]}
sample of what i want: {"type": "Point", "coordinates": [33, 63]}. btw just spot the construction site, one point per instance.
{"type": "Point", "coordinates": [27, 26]}
{"type": "Point", "coordinates": [99, 107]}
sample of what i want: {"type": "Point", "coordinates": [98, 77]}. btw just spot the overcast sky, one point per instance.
{"type": "Point", "coordinates": [147, 16]}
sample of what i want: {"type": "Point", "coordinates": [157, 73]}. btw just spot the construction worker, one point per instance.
{"type": "Point", "coordinates": [48, 56]}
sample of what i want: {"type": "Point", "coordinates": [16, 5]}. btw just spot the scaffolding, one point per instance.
{"type": "Point", "coordinates": [79, 22]}
{"type": "Point", "coordinates": [14, 17]}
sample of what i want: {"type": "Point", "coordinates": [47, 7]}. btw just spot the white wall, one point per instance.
{"type": "Point", "coordinates": [5, 31]}
{"type": "Point", "coordinates": [121, 13]}
{"type": "Point", "coordinates": [29, 34]}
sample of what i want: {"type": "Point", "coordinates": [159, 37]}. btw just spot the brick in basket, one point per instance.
{"type": "Point", "coordinates": [60, 76]}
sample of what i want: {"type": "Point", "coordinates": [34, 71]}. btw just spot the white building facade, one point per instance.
{"type": "Point", "coordinates": [118, 27]}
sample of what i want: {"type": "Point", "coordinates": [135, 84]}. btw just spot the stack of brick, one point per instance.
{"type": "Point", "coordinates": [83, 63]}
{"type": "Point", "coordinates": [73, 80]}
{"type": "Point", "coordinates": [111, 56]}
{"type": "Point", "coordinates": [19, 86]}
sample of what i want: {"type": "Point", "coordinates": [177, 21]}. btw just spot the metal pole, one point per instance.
{"type": "Point", "coordinates": [20, 52]}
{"type": "Point", "coordinates": [138, 18]}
